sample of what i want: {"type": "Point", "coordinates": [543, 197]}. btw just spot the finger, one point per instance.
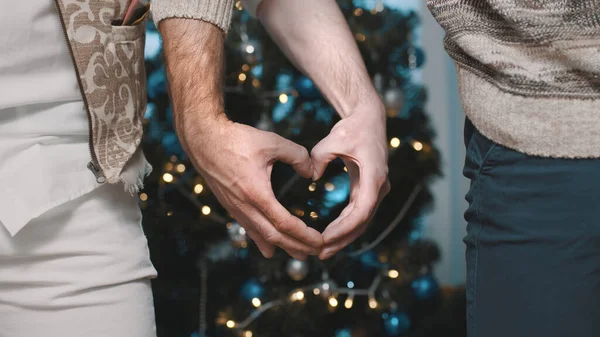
{"type": "Point", "coordinates": [333, 248]}
{"type": "Point", "coordinates": [275, 237]}
{"type": "Point", "coordinates": [323, 153]}
{"type": "Point", "coordinates": [286, 223]}
{"type": "Point", "coordinates": [293, 154]}
{"type": "Point", "coordinates": [266, 249]}
{"type": "Point", "coordinates": [362, 207]}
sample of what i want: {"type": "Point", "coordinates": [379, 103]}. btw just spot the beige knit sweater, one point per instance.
{"type": "Point", "coordinates": [528, 70]}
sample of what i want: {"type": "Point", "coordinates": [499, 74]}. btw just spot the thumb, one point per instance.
{"type": "Point", "coordinates": [321, 155]}
{"type": "Point", "coordinates": [293, 154]}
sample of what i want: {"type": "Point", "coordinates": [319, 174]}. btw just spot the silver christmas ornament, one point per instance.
{"type": "Point", "coordinates": [393, 98]}
{"type": "Point", "coordinates": [296, 269]}
{"type": "Point", "coordinates": [237, 234]}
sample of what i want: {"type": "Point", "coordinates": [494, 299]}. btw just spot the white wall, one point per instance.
{"type": "Point", "coordinates": [445, 225]}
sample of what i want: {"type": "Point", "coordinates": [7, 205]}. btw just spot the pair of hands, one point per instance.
{"type": "Point", "coordinates": [236, 160]}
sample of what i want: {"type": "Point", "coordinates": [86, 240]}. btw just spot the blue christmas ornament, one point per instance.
{"type": "Point", "coordinates": [340, 192]}
{"type": "Point", "coordinates": [252, 289]}
{"type": "Point", "coordinates": [170, 143]}
{"type": "Point", "coordinates": [396, 324]}
{"type": "Point", "coordinates": [425, 287]}
{"type": "Point", "coordinates": [153, 45]}
{"type": "Point", "coordinates": [157, 83]}
{"type": "Point", "coordinates": [343, 333]}
{"type": "Point", "coordinates": [369, 259]}
{"type": "Point", "coordinates": [306, 88]}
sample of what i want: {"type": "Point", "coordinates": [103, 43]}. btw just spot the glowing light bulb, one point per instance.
{"type": "Point", "coordinates": [372, 303]}
{"type": "Point", "coordinates": [143, 197]}
{"type": "Point", "coordinates": [248, 333]}
{"type": "Point", "coordinates": [333, 302]}
{"type": "Point", "coordinates": [230, 324]}
{"type": "Point", "coordinates": [393, 273]}
{"type": "Point", "coordinates": [395, 142]}
{"type": "Point", "coordinates": [168, 177]}
{"type": "Point", "coordinates": [249, 49]}
{"type": "Point", "coordinates": [283, 98]}
{"type": "Point", "coordinates": [198, 188]}
{"type": "Point", "coordinates": [256, 302]}
{"type": "Point", "coordinates": [245, 67]}
{"type": "Point", "coordinates": [312, 187]}
{"type": "Point", "coordinates": [314, 215]}
{"type": "Point", "coordinates": [348, 303]}
{"type": "Point", "coordinates": [316, 291]}
{"type": "Point", "coordinates": [418, 146]}
{"type": "Point", "coordinates": [329, 187]}
{"type": "Point", "coordinates": [180, 168]}
{"type": "Point", "coordinates": [242, 77]}
{"type": "Point", "coordinates": [205, 210]}
{"type": "Point", "coordinates": [358, 12]}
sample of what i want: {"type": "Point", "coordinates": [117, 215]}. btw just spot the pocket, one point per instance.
{"type": "Point", "coordinates": [479, 151]}
{"type": "Point", "coordinates": [129, 42]}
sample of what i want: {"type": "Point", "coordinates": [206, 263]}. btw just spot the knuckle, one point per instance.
{"type": "Point", "coordinates": [280, 224]}
{"type": "Point", "coordinates": [273, 238]}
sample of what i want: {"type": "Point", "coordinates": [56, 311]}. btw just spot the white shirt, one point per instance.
{"type": "Point", "coordinates": [43, 124]}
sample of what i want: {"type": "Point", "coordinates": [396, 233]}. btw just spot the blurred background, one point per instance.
{"type": "Point", "coordinates": [404, 277]}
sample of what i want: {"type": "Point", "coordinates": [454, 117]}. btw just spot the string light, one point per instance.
{"type": "Point", "coordinates": [361, 37]}
{"type": "Point", "coordinates": [395, 142]}
{"type": "Point", "coordinates": [349, 301]}
{"type": "Point", "coordinates": [242, 77]}
{"type": "Point", "coordinates": [329, 187]}
{"type": "Point", "coordinates": [316, 291]}
{"type": "Point", "coordinates": [173, 158]}
{"type": "Point", "coordinates": [418, 146]}
{"type": "Point", "coordinates": [325, 286]}
{"type": "Point", "coordinates": [230, 324]}
{"type": "Point", "coordinates": [333, 302]}
{"type": "Point", "coordinates": [250, 49]}
{"type": "Point", "coordinates": [180, 168]}
{"type": "Point", "coordinates": [198, 188]}
{"type": "Point", "coordinates": [283, 98]}
{"type": "Point", "coordinates": [314, 215]}
{"type": "Point", "coordinates": [245, 67]}
{"type": "Point", "coordinates": [358, 12]}
{"type": "Point", "coordinates": [169, 166]}
{"type": "Point", "coordinates": [345, 169]}
{"type": "Point", "coordinates": [239, 5]}
{"type": "Point", "coordinates": [372, 303]}
{"type": "Point", "coordinates": [350, 284]}
{"type": "Point", "coordinates": [205, 210]}
{"type": "Point", "coordinates": [169, 213]}
{"type": "Point", "coordinates": [256, 302]}
{"type": "Point", "coordinates": [143, 197]}
{"type": "Point", "coordinates": [255, 83]}
{"type": "Point", "coordinates": [297, 296]}
{"type": "Point", "coordinates": [248, 333]}
{"type": "Point", "coordinates": [393, 273]}
{"type": "Point", "coordinates": [312, 187]}
{"type": "Point", "coordinates": [168, 177]}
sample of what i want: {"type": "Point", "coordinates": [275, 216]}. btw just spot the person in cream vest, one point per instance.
{"type": "Point", "coordinates": [74, 260]}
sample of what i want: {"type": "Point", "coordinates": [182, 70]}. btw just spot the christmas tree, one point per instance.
{"type": "Point", "coordinates": [213, 280]}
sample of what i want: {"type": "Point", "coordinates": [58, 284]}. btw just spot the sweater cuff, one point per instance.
{"type": "Point", "coordinates": [217, 12]}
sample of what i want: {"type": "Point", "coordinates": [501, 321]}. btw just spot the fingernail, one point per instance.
{"type": "Point", "coordinates": [315, 175]}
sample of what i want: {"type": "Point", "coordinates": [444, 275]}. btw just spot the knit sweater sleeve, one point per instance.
{"type": "Point", "coordinates": [217, 12]}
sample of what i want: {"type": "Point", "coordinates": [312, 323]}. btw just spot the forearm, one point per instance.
{"type": "Point", "coordinates": [314, 35]}
{"type": "Point", "coordinates": [194, 63]}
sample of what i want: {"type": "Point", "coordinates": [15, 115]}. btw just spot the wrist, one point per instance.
{"type": "Point", "coordinates": [369, 103]}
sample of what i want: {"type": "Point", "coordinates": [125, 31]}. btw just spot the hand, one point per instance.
{"type": "Point", "coordinates": [360, 140]}
{"type": "Point", "coordinates": [236, 160]}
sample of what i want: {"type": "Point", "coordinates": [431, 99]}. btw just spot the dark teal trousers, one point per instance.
{"type": "Point", "coordinates": [533, 243]}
